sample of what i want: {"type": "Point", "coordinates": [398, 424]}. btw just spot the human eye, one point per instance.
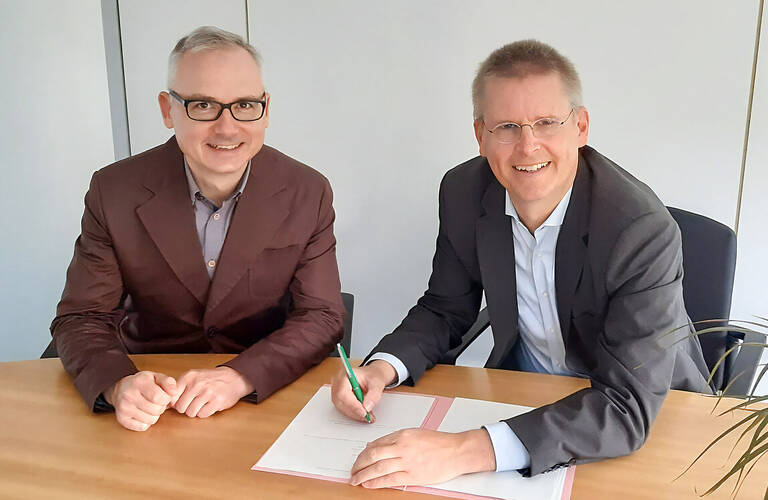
{"type": "Point", "coordinates": [245, 105]}
{"type": "Point", "coordinates": [546, 123]}
{"type": "Point", "coordinates": [201, 105]}
{"type": "Point", "coordinates": [508, 126]}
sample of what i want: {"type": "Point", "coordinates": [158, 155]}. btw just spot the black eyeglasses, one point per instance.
{"type": "Point", "coordinates": [202, 110]}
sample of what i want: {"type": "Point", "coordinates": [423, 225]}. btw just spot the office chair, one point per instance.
{"type": "Point", "coordinates": [709, 264]}
{"type": "Point", "coordinates": [347, 298]}
{"type": "Point", "coordinates": [349, 306]}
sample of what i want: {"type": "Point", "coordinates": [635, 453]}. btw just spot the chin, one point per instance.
{"type": "Point", "coordinates": [227, 169]}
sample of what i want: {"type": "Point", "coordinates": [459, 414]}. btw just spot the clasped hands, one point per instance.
{"type": "Point", "coordinates": [409, 456]}
{"type": "Point", "coordinates": [141, 398]}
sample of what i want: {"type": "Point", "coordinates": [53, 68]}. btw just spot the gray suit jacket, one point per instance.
{"type": "Point", "coordinates": [618, 277]}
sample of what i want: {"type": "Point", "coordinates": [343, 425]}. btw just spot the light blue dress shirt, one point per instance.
{"type": "Point", "coordinates": [540, 347]}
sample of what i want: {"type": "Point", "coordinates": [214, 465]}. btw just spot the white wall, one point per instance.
{"type": "Point", "coordinates": [54, 132]}
{"type": "Point", "coordinates": [749, 298]}
{"type": "Point", "coordinates": [377, 97]}
{"type": "Point", "coordinates": [150, 29]}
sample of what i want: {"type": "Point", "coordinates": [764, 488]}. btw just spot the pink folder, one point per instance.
{"type": "Point", "coordinates": [432, 421]}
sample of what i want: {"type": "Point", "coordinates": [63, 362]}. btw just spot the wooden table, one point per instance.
{"type": "Point", "coordinates": [51, 446]}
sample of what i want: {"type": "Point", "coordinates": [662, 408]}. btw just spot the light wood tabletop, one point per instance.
{"type": "Point", "coordinates": [51, 446]}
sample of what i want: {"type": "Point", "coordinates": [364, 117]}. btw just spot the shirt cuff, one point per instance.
{"type": "Point", "coordinates": [402, 371]}
{"type": "Point", "coordinates": [510, 452]}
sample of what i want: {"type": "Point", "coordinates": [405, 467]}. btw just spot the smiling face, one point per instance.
{"type": "Point", "coordinates": [219, 148]}
{"type": "Point", "coordinates": [535, 171]}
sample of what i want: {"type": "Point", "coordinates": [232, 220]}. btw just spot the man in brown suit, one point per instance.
{"type": "Point", "coordinates": [211, 242]}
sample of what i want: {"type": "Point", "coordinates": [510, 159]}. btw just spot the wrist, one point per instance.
{"type": "Point", "coordinates": [383, 371]}
{"type": "Point", "coordinates": [109, 393]}
{"type": "Point", "coordinates": [476, 451]}
{"type": "Point", "coordinates": [241, 384]}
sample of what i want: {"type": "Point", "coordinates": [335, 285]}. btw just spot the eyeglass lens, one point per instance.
{"type": "Point", "coordinates": [211, 110]}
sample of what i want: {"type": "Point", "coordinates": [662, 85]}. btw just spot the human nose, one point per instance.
{"type": "Point", "coordinates": [527, 142]}
{"type": "Point", "coordinates": [226, 121]}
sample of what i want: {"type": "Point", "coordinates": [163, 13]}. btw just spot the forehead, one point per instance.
{"type": "Point", "coordinates": [225, 74]}
{"type": "Point", "coordinates": [524, 99]}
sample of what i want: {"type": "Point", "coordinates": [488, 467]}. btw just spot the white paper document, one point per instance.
{"type": "Point", "coordinates": [323, 444]}
{"type": "Point", "coordinates": [322, 441]}
{"type": "Point", "coordinates": [465, 414]}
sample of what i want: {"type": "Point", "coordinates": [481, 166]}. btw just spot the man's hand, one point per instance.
{"type": "Point", "coordinates": [141, 398]}
{"type": "Point", "coordinates": [419, 457]}
{"type": "Point", "coordinates": [201, 393]}
{"type": "Point", "coordinates": [372, 378]}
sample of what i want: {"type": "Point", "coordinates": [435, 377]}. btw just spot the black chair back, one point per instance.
{"type": "Point", "coordinates": [709, 264]}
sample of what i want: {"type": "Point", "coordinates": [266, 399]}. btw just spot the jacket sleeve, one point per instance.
{"type": "Point", "coordinates": [87, 317]}
{"type": "Point", "coordinates": [314, 322]}
{"type": "Point", "coordinates": [635, 356]}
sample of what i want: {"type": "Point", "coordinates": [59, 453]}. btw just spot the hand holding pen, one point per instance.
{"type": "Point", "coordinates": [352, 379]}
{"type": "Point", "coordinates": [371, 381]}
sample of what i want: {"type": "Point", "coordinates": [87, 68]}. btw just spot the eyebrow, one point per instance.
{"type": "Point", "coordinates": [535, 120]}
{"type": "Point", "coordinates": [202, 97]}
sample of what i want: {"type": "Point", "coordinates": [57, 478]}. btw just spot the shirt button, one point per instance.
{"type": "Point", "coordinates": [211, 263]}
{"type": "Point", "coordinates": [216, 216]}
{"type": "Point", "coordinates": [545, 294]}
{"type": "Point", "coordinates": [212, 331]}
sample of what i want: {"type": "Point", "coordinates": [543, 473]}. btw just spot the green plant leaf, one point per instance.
{"type": "Point", "coordinates": [738, 466]}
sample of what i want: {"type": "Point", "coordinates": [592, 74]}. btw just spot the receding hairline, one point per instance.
{"type": "Point", "coordinates": [521, 59]}
{"type": "Point", "coordinates": [208, 38]}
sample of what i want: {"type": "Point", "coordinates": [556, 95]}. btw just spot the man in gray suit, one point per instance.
{"type": "Point", "coordinates": [581, 265]}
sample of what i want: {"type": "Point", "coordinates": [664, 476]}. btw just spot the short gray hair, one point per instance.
{"type": "Point", "coordinates": [523, 58]}
{"type": "Point", "coordinates": [206, 38]}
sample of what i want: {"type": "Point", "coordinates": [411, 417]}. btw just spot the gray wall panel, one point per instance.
{"type": "Point", "coordinates": [55, 131]}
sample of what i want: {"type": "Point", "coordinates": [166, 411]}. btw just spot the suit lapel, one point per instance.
{"type": "Point", "coordinates": [169, 220]}
{"type": "Point", "coordinates": [259, 213]}
{"type": "Point", "coordinates": [572, 247]}
{"type": "Point", "coordinates": [496, 256]}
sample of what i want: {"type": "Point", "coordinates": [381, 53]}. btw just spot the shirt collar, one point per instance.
{"type": "Point", "coordinates": [194, 189]}
{"type": "Point", "coordinates": [555, 219]}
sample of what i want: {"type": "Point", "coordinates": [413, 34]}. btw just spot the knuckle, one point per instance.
{"type": "Point", "coordinates": [376, 482]}
{"type": "Point", "coordinates": [122, 406]}
{"type": "Point", "coordinates": [161, 398]}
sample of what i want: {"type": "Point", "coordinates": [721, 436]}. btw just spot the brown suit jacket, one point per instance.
{"type": "Point", "coordinates": [137, 282]}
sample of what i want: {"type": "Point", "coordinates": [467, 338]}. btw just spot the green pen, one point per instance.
{"type": "Point", "coordinates": [352, 379]}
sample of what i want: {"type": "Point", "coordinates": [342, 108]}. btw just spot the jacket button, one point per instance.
{"type": "Point", "coordinates": [212, 331]}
